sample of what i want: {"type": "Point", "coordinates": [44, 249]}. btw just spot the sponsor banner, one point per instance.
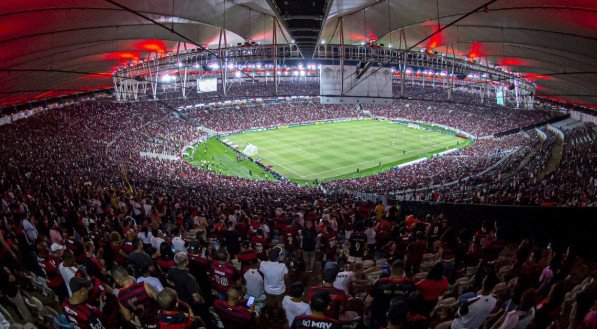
{"type": "Point", "coordinates": [282, 127]}
{"type": "Point", "coordinates": [329, 121]}
{"type": "Point", "coordinates": [367, 119]}
{"type": "Point", "coordinates": [319, 123]}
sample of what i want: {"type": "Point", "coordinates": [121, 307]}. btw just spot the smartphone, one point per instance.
{"type": "Point", "coordinates": [250, 301]}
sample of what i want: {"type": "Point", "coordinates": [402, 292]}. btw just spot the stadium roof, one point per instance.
{"type": "Point", "coordinates": [50, 48]}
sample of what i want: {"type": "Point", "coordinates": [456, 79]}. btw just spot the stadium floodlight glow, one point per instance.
{"type": "Point", "coordinates": [179, 64]}
{"type": "Point", "coordinates": [167, 78]}
{"type": "Point", "coordinates": [295, 73]}
{"type": "Point", "coordinates": [258, 65]}
{"type": "Point", "coordinates": [393, 69]}
{"type": "Point", "coordinates": [300, 66]}
{"type": "Point", "coordinates": [409, 70]}
{"type": "Point", "coordinates": [302, 73]}
{"type": "Point", "coordinates": [362, 43]}
{"type": "Point", "coordinates": [390, 46]}
{"type": "Point", "coordinates": [292, 41]}
{"type": "Point", "coordinates": [323, 41]}
{"type": "Point", "coordinates": [237, 74]}
{"type": "Point", "coordinates": [214, 66]}
{"type": "Point", "coordinates": [196, 65]}
{"type": "Point", "coordinates": [230, 66]}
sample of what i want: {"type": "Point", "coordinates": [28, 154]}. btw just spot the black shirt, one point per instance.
{"type": "Point", "coordinates": [358, 241]}
{"type": "Point", "coordinates": [309, 239]}
{"type": "Point", "coordinates": [185, 284]}
{"type": "Point", "coordinates": [232, 243]}
{"type": "Point", "coordinates": [386, 289]}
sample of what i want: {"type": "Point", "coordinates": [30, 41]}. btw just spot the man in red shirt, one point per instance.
{"type": "Point", "coordinates": [78, 312]}
{"type": "Point", "coordinates": [290, 233]}
{"type": "Point", "coordinates": [337, 296]}
{"type": "Point", "coordinates": [319, 304]}
{"type": "Point", "coordinates": [414, 254]}
{"type": "Point", "coordinates": [53, 277]}
{"type": "Point", "coordinates": [258, 241]}
{"type": "Point", "coordinates": [136, 299]}
{"type": "Point", "coordinates": [233, 313]}
{"type": "Point", "coordinates": [246, 256]}
{"type": "Point", "coordinates": [223, 273]}
{"type": "Point", "coordinates": [169, 317]}
{"type": "Point", "coordinates": [329, 243]}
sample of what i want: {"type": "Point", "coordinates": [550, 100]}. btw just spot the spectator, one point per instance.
{"type": "Point", "coordinates": [319, 304]}
{"type": "Point", "coordinates": [186, 284]}
{"type": "Point", "coordinates": [223, 273]}
{"type": "Point", "coordinates": [337, 296]}
{"type": "Point", "coordinates": [136, 299]}
{"type": "Point", "coordinates": [139, 259]}
{"type": "Point", "coordinates": [254, 284]}
{"type": "Point", "coordinates": [475, 310]}
{"type": "Point", "coordinates": [384, 290]}
{"type": "Point", "coordinates": [293, 303]}
{"type": "Point", "coordinates": [274, 274]}
{"type": "Point", "coordinates": [67, 268]}
{"type": "Point", "coordinates": [78, 311]}
{"type": "Point", "coordinates": [309, 242]}
{"type": "Point", "coordinates": [524, 314]}
{"type": "Point", "coordinates": [153, 281]}
{"type": "Point", "coordinates": [433, 286]}
{"type": "Point", "coordinates": [232, 313]}
{"type": "Point", "coordinates": [169, 316]}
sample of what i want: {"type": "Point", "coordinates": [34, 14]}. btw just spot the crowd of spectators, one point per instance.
{"type": "Point", "coordinates": [94, 236]}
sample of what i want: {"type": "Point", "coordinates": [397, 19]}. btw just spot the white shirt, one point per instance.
{"type": "Point", "coordinates": [254, 282]}
{"type": "Point", "coordinates": [518, 319]}
{"type": "Point", "coordinates": [293, 309]}
{"type": "Point", "coordinates": [370, 233]}
{"type": "Point", "coordinates": [178, 244]}
{"type": "Point", "coordinates": [343, 280]}
{"type": "Point", "coordinates": [477, 312]}
{"type": "Point", "coordinates": [30, 231]}
{"type": "Point", "coordinates": [273, 274]}
{"type": "Point", "coordinates": [67, 273]}
{"type": "Point", "coordinates": [145, 237]}
{"type": "Point", "coordinates": [154, 282]}
{"type": "Point", "coordinates": [156, 242]}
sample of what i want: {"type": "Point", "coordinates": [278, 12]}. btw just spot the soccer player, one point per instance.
{"type": "Point", "coordinates": [384, 290]}
{"type": "Point", "coordinates": [78, 312]}
{"type": "Point", "coordinates": [319, 304]}
{"type": "Point", "coordinates": [136, 299]}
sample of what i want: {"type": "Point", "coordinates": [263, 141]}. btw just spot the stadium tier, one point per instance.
{"type": "Point", "coordinates": [275, 164]}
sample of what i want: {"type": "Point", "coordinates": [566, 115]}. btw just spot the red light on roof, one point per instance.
{"type": "Point", "coordinates": [125, 55]}
{"type": "Point", "coordinates": [512, 61]}
{"type": "Point", "coordinates": [436, 40]}
{"type": "Point", "coordinates": [475, 50]}
{"type": "Point", "coordinates": [151, 45]}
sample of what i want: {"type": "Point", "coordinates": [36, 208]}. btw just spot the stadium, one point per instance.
{"type": "Point", "coordinates": [292, 164]}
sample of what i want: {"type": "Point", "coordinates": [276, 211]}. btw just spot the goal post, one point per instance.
{"type": "Point", "coordinates": [250, 150]}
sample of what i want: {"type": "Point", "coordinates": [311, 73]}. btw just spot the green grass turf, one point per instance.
{"type": "Point", "coordinates": [333, 151]}
{"type": "Point", "coordinates": [223, 160]}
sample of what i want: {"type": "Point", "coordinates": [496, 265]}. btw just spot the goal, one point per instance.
{"type": "Point", "coordinates": [250, 150]}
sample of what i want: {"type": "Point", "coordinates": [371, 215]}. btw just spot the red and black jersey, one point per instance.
{"type": "Point", "coordinates": [233, 317]}
{"type": "Point", "coordinates": [83, 316]}
{"type": "Point", "coordinates": [291, 242]}
{"type": "Point", "coordinates": [311, 321]}
{"type": "Point", "coordinates": [337, 297]}
{"type": "Point", "coordinates": [245, 257]}
{"type": "Point", "coordinates": [386, 289]}
{"type": "Point", "coordinates": [127, 246]}
{"type": "Point", "coordinates": [53, 277]}
{"type": "Point", "coordinates": [174, 320]}
{"type": "Point", "coordinates": [136, 299]}
{"type": "Point", "coordinates": [329, 244]}
{"type": "Point", "coordinates": [223, 275]}
{"type": "Point", "coordinates": [120, 259]}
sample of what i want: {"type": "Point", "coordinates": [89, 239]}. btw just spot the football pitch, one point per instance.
{"type": "Point", "coordinates": [325, 152]}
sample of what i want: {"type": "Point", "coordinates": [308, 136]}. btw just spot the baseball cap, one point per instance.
{"type": "Point", "coordinates": [329, 275]}
{"type": "Point", "coordinates": [55, 247]}
{"type": "Point", "coordinates": [78, 283]}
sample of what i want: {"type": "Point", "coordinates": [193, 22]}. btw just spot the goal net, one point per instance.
{"type": "Point", "coordinates": [250, 150]}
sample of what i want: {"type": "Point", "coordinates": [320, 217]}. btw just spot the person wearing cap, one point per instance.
{"type": "Point", "coordinates": [274, 273]}
{"type": "Point", "coordinates": [337, 296]}
{"type": "Point", "coordinates": [78, 312]}
{"type": "Point", "coordinates": [53, 277]}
